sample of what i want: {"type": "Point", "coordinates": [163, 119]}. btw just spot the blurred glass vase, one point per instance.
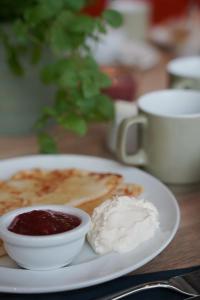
{"type": "Point", "coordinates": [21, 98]}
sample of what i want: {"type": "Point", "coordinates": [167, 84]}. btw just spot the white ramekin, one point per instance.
{"type": "Point", "coordinates": [44, 252]}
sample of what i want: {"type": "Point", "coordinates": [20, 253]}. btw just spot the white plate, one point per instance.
{"type": "Point", "coordinates": [90, 269]}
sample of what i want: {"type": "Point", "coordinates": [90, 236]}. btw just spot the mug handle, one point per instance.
{"type": "Point", "coordinates": [138, 158]}
{"type": "Point", "coordinates": [182, 84]}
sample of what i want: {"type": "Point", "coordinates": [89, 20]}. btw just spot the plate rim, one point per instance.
{"type": "Point", "coordinates": [116, 274]}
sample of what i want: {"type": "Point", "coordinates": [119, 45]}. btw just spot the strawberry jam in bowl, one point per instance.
{"type": "Point", "coordinates": [44, 237]}
{"type": "Point", "coordinates": [43, 222]}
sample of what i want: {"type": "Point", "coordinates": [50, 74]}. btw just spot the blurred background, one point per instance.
{"type": "Point", "coordinates": [134, 56]}
{"type": "Point", "coordinates": [152, 29]}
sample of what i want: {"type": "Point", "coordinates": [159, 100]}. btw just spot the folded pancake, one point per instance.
{"type": "Point", "coordinates": [133, 190]}
{"type": "Point", "coordinates": [80, 188]}
{"type": "Point", "coordinates": [61, 186]}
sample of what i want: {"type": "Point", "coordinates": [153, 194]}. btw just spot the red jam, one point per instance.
{"type": "Point", "coordinates": [43, 222]}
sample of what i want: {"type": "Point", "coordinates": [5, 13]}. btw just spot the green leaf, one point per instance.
{"type": "Point", "coordinates": [11, 10]}
{"type": "Point", "coordinates": [41, 122]}
{"type": "Point", "coordinates": [100, 26]}
{"type": "Point", "coordinates": [33, 16]}
{"type": "Point", "coordinates": [69, 31]}
{"type": "Point", "coordinates": [47, 113]}
{"type": "Point", "coordinates": [14, 62]}
{"type": "Point", "coordinates": [74, 123]}
{"type": "Point", "coordinates": [92, 80]}
{"type": "Point", "coordinates": [21, 32]}
{"type": "Point", "coordinates": [61, 104]}
{"type": "Point", "coordinates": [36, 54]}
{"type": "Point", "coordinates": [113, 17]}
{"type": "Point", "coordinates": [105, 108]}
{"type": "Point", "coordinates": [62, 72]}
{"type": "Point", "coordinates": [48, 74]}
{"type": "Point", "coordinates": [89, 87]}
{"type": "Point", "coordinates": [86, 106]}
{"type": "Point", "coordinates": [46, 143]}
{"type": "Point", "coordinates": [59, 39]}
{"type": "Point", "coordinates": [65, 18]}
{"type": "Point", "coordinates": [50, 8]}
{"type": "Point", "coordinates": [12, 54]}
{"type": "Point", "coordinates": [91, 64]}
{"type": "Point", "coordinates": [84, 24]}
{"type": "Point", "coordinates": [104, 80]}
{"type": "Point", "coordinates": [75, 4]}
{"type": "Point", "coordinates": [69, 79]}
{"type": "Point", "coordinates": [42, 11]}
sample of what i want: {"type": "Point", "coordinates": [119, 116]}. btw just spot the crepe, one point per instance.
{"type": "Point", "coordinates": [76, 187]}
{"type": "Point", "coordinates": [133, 190]}
{"type": "Point", "coordinates": [58, 186]}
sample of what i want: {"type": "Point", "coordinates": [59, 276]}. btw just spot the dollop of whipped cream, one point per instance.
{"type": "Point", "coordinates": [121, 224]}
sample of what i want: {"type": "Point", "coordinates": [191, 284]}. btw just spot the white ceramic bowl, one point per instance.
{"type": "Point", "coordinates": [44, 252]}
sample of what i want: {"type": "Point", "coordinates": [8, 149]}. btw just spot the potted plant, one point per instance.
{"type": "Point", "coordinates": [54, 36]}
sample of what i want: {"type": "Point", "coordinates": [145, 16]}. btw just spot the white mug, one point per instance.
{"type": "Point", "coordinates": [184, 73]}
{"type": "Point", "coordinates": [169, 130]}
{"type": "Point", "coordinates": [123, 110]}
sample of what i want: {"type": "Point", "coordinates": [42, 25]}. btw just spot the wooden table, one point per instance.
{"type": "Point", "coordinates": [184, 250]}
